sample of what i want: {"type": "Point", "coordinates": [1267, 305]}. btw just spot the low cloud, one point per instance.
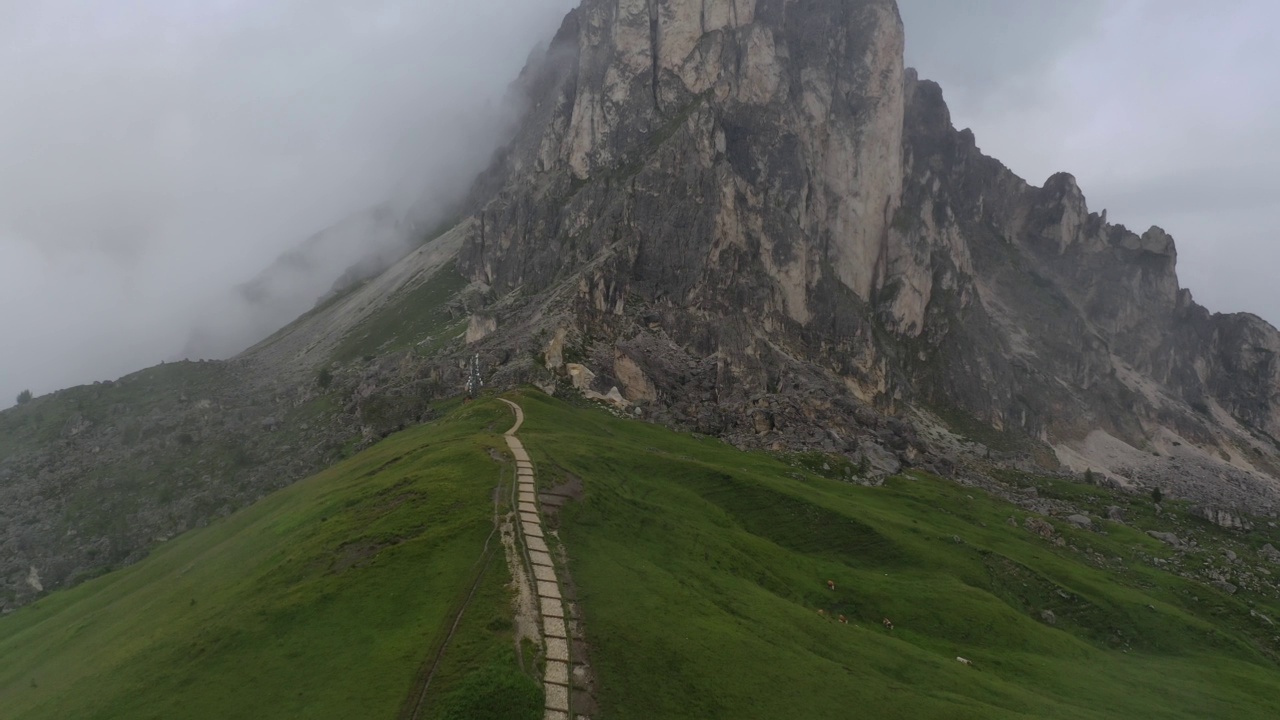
{"type": "Point", "coordinates": [161, 152]}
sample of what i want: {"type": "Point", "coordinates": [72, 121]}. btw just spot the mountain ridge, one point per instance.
{"type": "Point", "coordinates": [757, 223]}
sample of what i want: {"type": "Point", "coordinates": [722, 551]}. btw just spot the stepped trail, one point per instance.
{"type": "Point", "coordinates": [550, 598]}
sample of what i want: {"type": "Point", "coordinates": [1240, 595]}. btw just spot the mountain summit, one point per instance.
{"type": "Point", "coordinates": [752, 216]}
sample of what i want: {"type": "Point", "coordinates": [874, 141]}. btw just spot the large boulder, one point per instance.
{"type": "Point", "coordinates": [1222, 518]}
{"type": "Point", "coordinates": [1081, 521]}
{"type": "Point", "coordinates": [1168, 538]}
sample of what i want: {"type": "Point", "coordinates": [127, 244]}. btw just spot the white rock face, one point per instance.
{"type": "Point", "coordinates": [33, 579]}
{"type": "Point", "coordinates": [641, 47]}
{"type": "Point", "coordinates": [762, 75]}
{"type": "Point", "coordinates": [863, 170]}
{"type": "Point", "coordinates": [480, 327]}
{"type": "Point", "coordinates": [637, 387]}
{"type": "Point", "coordinates": [580, 375]}
{"type": "Point", "coordinates": [555, 350]}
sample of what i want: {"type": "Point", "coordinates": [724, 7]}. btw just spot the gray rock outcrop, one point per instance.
{"type": "Point", "coordinates": [1222, 518]}
{"type": "Point", "coordinates": [1167, 538]}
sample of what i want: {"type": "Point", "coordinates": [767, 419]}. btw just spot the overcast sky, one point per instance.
{"type": "Point", "coordinates": [1166, 111]}
{"type": "Point", "coordinates": [158, 152]}
{"type": "Point", "coordinates": [154, 154]}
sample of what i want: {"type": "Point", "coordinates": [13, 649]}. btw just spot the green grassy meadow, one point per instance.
{"type": "Point", "coordinates": [417, 319]}
{"type": "Point", "coordinates": [322, 601]}
{"type": "Point", "coordinates": [699, 570]}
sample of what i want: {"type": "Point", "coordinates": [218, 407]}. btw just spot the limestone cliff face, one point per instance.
{"type": "Point", "coordinates": [764, 186]}
{"type": "Point", "coordinates": [652, 115]}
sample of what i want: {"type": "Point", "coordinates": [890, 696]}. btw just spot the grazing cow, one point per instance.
{"type": "Point", "coordinates": [888, 623]}
{"type": "Point", "coordinates": [823, 613]}
{"type": "Point", "coordinates": [843, 621]}
{"type": "Point", "coordinates": [963, 661]}
{"type": "Point", "coordinates": [831, 584]}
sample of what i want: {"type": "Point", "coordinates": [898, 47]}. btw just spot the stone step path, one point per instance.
{"type": "Point", "coordinates": [550, 600]}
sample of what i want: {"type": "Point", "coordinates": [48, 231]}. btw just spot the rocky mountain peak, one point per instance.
{"type": "Point", "coordinates": [627, 79]}
{"type": "Point", "coordinates": [760, 188]}
{"type": "Point", "coordinates": [1158, 242]}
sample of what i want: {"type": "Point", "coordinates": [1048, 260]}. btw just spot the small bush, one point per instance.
{"type": "Point", "coordinates": [24, 397]}
{"type": "Point", "coordinates": [325, 379]}
{"type": "Point", "coordinates": [1157, 496]}
{"type": "Point", "coordinates": [494, 693]}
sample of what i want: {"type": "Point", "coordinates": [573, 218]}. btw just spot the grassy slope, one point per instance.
{"type": "Point", "coordinates": [158, 448]}
{"type": "Point", "coordinates": [418, 318]}
{"type": "Point", "coordinates": [321, 601]}
{"type": "Point", "coordinates": [700, 570]}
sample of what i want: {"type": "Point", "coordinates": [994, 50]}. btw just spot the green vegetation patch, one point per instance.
{"type": "Point", "coordinates": [418, 319]}
{"type": "Point", "coordinates": [322, 601]}
{"type": "Point", "coordinates": [702, 577]}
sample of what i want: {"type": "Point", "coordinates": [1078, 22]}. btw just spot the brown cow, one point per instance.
{"type": "Point", "coordinates": [831, 584]}
{"type": "Point", "coordinates": [888, 623]}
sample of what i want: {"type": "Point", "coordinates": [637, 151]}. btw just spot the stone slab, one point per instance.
{"type": "Point", "coordinates": [537, 544]}
{"type": "Point", "coordinates": [528, 507]}
{"type": "Point", "coordinates": [540, 557]}
{"type": "Point", "coordinates": [557, 672]}
{"type": "Point", "coordinates": [528, 517]}
{"type": "Point", "coordinates": [557, 697]}
{"type": "Point", "coordinates": [557, 649]}
{"type": "Point", "coordinates": [531, 530]}
{"type": "Point", "coordinates": [555, 715]}
{"type": "Point", "coordinates": [551, 608]}
{"type": "Point", "coordinates": [554, 627]}
{"type": "Point", "coordinates": [544, 573]}
{"type": "Point", "coordinates": [548, 590]}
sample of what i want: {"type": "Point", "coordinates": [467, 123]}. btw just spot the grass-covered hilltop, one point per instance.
{"type": "Point", "coordinates": [704, 582]}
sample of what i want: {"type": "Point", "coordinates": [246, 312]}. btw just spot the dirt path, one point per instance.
{"type": "Point", "coordinates": [519, 418]}
{"type": "Point", "coordinates": [551, 605]}
{"type": "Point", "coordinates": [417, 700]}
